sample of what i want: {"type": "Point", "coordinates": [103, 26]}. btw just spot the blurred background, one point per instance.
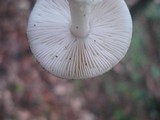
{"type": "Point", "coordinates": [130, 91]}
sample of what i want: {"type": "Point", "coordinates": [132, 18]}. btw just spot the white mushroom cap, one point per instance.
{"type": "Point", "coordinates": [71, 57]}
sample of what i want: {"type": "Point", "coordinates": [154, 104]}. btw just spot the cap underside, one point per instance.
{"type": "Point", "coordinates": [66, 56]}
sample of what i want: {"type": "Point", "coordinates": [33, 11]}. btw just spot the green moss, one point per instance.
{"type": "Point", "coordinates": [136, 51]}
{"type": "Point", "coordinates": [155, 71]}
{"type": "Point", "coordinates": [120, 115]}
{"type": "Point", "coordinates": [153, 11]}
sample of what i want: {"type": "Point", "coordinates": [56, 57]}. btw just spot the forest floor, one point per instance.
{"type": "Point", "coordinates": [130, 91]}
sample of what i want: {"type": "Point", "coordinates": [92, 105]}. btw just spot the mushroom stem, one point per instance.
{"type": "Point", "coordinates": [80, 13]}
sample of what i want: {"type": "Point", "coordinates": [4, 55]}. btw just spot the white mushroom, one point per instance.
{"type": "Point", "coordinates": [77, 39]}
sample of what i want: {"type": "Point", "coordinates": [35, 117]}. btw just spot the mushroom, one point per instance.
{"type": "Point", "coordinates": [78, 39]}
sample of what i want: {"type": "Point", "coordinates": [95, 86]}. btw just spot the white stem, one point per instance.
{"type": "Point", "coordinates": [80, 13]}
